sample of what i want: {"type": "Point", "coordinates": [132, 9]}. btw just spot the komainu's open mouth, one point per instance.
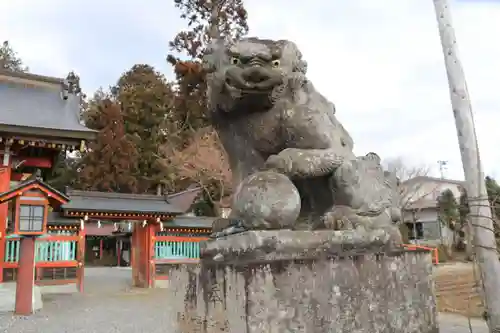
{"type": "Point", "coordinates": [253, 80]}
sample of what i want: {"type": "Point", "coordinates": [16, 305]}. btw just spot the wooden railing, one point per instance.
{"type": "Point", "coordinates": [60, 247]}
{"type": "Point", "coordinates": [177, 249]}
{"type": "Point", "coordinates": [56, 258]}
{"type": "Point", "coordinates": [171, 250]}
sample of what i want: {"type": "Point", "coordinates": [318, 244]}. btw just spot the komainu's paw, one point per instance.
{"type": "Point", "coordinates": [395, 237]}
{"type": "Point", "coordinates": [220, 224]}
{"type": "Point", "coordinates": [340, 218]}
{"type": "Point", "coordinates": [226, 226]}
{"type": "Point", "coordinates": [279, 163]}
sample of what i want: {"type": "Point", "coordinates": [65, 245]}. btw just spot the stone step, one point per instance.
{"type": "Point", "coordinates": [450, 275]}
{"type": "Point", "coordinates": [475, 309]}
{"type": "Point", "coordinates": [453, 282]}
{"type": "Point", "coordinates": [469, 286]}
{"type": "Point", "coordinates": [458, 287]}
{"type": "Point", "coordinates": [454, 278]}
{"type": "Point", "coordinates": [457, 292]}
{"type": "Point", "coordinates": [460, 301]}
{"type": "Point", "coordinates": [441, 280]}
{"type": "Point", "coordinates": [460, 293]}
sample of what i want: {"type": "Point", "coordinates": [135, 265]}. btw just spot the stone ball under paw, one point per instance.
{"type": "Point", "coordinates": [267, 200]}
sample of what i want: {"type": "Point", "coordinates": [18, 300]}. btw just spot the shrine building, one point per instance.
{"type": "Point", "coordinates": [39, 119]}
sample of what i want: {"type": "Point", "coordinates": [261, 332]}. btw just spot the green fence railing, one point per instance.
{"type": "Point", "coordinates": [177, 250]}
{"type": "Point", "coordinates": [45, 251]}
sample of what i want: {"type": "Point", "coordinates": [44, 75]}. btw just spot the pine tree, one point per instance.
{"type": "Point", "coordinates": [207, 20]}
{"type": "Point", "coordinates": [111, 162]}
{"type": "Point", "coordinates": [146, 99]}
{"type": "Point", "coordinates": [9, 59]}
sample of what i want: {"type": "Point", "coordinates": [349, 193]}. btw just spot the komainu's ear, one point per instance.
{"type": "Point", "coordinates": [373, 157]}
{"type": "Point", "coordinates": [215, 54]}
{"type": "Point", "coordinates": [290, 49]}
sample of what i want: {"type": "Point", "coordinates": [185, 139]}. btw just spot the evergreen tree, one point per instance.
{"type": "Point", "coordinates": [463, 207]}
{"type": "Point", "coordinates": [111, 162]}
{"type": "Point", "coordinates": [206, 20]}
{"type": "Point", "coordinates": [448, 209]}
{"type": "Point", "coordinates": [10, 60]}
{"type": "Point", "coordinates": [146, 99]}
{"type": "Point", "coordinates": [90, 111]}
{"type": "Point", "coordinates": [493, 190]}
{"type": "Point", "coordinates": [65, 172]}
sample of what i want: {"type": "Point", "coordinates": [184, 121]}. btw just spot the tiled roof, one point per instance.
{"type": "Point", "coordinates": [54, 218]}
{"type": "Point", "coordinates": [28, 109]}
{"type": "Point", "coordinates": [119, 203]}
{"type": "Point", "coordinates": [184, 200]}
{"type": "Point", "coordinates": [433, 179]}
{"type": "Point", "coordinates": [191, 222]}
{"type": "Point", "coordinates": [22, 186]}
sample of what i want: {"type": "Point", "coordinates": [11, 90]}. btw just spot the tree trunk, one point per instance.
{"type": "Point", "coordinates": [480, 217]}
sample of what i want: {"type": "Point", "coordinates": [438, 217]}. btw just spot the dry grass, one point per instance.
{"type": "Point", "coordinates": [457, 292]}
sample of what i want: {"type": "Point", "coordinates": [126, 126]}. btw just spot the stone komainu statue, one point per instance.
{"type": "Point", "coordinates": [292, 160]}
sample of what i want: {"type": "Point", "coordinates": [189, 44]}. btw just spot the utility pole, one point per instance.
{"type": "Point", "coordinates": [480, 215]}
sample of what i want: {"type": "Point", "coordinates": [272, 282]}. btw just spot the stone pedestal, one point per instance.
{"type": "Point", "coordinates": [302, 281]}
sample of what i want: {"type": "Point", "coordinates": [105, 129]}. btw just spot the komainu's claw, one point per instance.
{"type": "Point", "coordinates": [226, 226]}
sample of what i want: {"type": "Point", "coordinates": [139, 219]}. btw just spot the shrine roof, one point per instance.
{"type": "Point", "coordinates": [191, 222]}
{"type": "Point", "coordinates": [55, 218]}
{"type": "Point", "coordinates": [184, 199]}
{"type": "Point", "coordinates": [40, 106]}
{"type": "Point", "coordinates": [34, 184]}
{"type": "Point", "coordinates": [104, 202]}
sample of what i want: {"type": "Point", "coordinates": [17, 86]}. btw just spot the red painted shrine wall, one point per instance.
{"type": "Point", "coordinates": [4, 186]}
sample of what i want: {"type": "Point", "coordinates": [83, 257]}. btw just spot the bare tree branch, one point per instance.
{"type": "Point", "coordinates": [203, 161]}
{"type": "Point", "coordinates": [410, 192]}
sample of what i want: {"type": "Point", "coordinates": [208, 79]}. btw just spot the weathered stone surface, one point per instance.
{"type": "Point", "coordinates": [289, 154]}
{"type": "Point", "coordinates": [292, 244]}
{"type": "Point", "coordinates": [370, 291]}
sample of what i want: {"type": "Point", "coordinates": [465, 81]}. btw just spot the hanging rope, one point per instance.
{"type": "Point", "coordinates": [478, 279]}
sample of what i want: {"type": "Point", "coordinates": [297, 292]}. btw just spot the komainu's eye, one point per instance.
{"type": "Point", "coordinates": [235, 61]}
{"type": "Point", "coordinates": [276, 63]}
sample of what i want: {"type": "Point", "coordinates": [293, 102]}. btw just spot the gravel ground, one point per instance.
{"type": "Point", "coordinates": [110, 305]}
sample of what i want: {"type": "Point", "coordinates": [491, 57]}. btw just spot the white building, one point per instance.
{"type": "Point", "coordinates": [420, 213]}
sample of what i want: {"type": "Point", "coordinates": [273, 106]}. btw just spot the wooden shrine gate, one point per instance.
{"type": "Point", "coordinates": [59, 258]}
